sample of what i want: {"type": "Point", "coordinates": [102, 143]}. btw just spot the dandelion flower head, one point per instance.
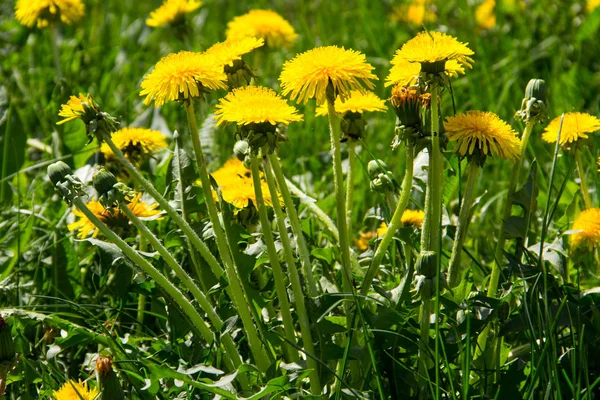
{"type": "Point", "coordinates": [484, 132]}
{"type": "Point", "coordinates": [588, 225]}
{"type": "Point", "coordinates": [72, 390]}
{"type": "Point", "coordinates": [254, 105]}
{"type": "Point", "coordinates": [112, 217]}
{"type": "Point", "coordinates": [233, 49]}
{"type": "Point", "coordinates": [357, 102]}
{"type": "Point", "coordinates": [407, 73]}
{"type": "Point", "coordinates": [265, 24]}
{"type": "Point", "coordinates": [575, 126]}
{"type": "Point", "coordinates": [171, 11]}
{"type": "Point", "coordinates": [413, 218]}
{"type": "Point", "coordinates": [415, 13]}
{"type": "Point", "coordinates": [135, 142]}
{"type": "Point", "coordinates": [41, 12]}
{"type": "Point", "coordinates": [309, 73]}
{"type": "Point", "coordinates": [484, 14]}
{"type": "Point", "coordinates": [182, 76]}
{"type": "Point", "coordinates": [76, 107]}
{"type": "Point", "coordinates": [592, 5]}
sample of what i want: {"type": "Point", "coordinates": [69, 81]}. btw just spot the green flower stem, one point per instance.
{"type": "Point", "coordinates": [307, 339]}
{"type": "Point", "coordinates": [165, 205]}
{"type": "Point", "coordinates": [435, 181]}
{"type": "Point", "coordinates": [278, 276]}
{"type": "Point", "coordinates": [238, 296]}
{"type": "Point", "coordinates": [463, 225]}
{"type": "Point", "coordinates": [338, 181]}
{"type": "Point", "coordinates": [53, 28]}
{"type": "Point", "coordinates": [234, 358]}
{"type": "Point", "coordinates": [394, 223]}
{"type": "Point", "coordinates": [512, 188]}
{"type": "Point", "coordinates": [149, 269]}
{"type": "Point", "coordinates": [584, 187]}
{"type": "Point", "coordinates": [295, 222]}
{"type": "Point", "coordinates": [313, 207]}
{"type": "Point", "coordinates": [143, 246]}
{"type": "Point", "coordinates": [350, 183]}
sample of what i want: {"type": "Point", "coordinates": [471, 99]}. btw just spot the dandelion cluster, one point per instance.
{"type": "Point", "coordinates": [41, 13]}
{"type": "Point", "coordinates": [264, 24]}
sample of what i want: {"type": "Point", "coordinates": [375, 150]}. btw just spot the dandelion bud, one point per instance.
{"type": "Point", "coordinates": [58, 171]}
{"type": "Point", "coordinates": [103, 182]}
{"type": "Point", "coordinates": [426, 264]}
{"type": "Point", "coordinates": [534, 104]}
{"type": "Point", "coordinates": [109, 382]}
{"type": "Point", "coordinates": [407, 103]}
{"type": "Point", "coordinates": [241, 149]}
{"type": "Point", "coordinates": [352, 126]}
{"type": "Point", "coordinates": [375, 167]}
{"type": "Point", "coordinates": [536, 88]}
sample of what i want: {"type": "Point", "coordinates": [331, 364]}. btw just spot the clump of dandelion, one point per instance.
{"type": "Point", "coordinates": [587, 225]}
{"type": "Point", "coordinates": [42, 13]}
{"type": "Point", "coordinates": [264, 24]}
{"type": "Point", "coordinates": [478, 135]}
{"type": "Point", "coordinates": [484, 14]}
{"type": "Point", "coordinates": [112, 217]}
{"type": "Point", "coordinates": [72, 390]}
{"type": "Point", "coordinates": [136, 144]}
{"type": "Point", "coordinates": [172, 12]}
{"type": "Point", "coordinates": [415, 12]}
{"type": "Point", "coordinates": [182, 76]}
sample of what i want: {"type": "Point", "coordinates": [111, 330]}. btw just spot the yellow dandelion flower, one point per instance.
{"type": "Point", "coordinates": [40, 13]}
{"type": "Point", "coordinates": [72, 390]}
{"type": "Point", "coordinates": [575, 126]}
{"type": "Point", "coordinates": [429, 48]}
{"type": "Point", "coordinates": [232, 171]}
{"type": "Point", "coordinates": [406, 73]}
{"type": "Point", "coordinates": [76, 107]}
{"type": "Point", "coordinates": [484, 132]}
{"type": "Point", "coordinates": [588, 225]}
{"type": "Point", "coordinates": [309, 73]}
{"type": "Point", "coordinates": [381, 230]}
{"type": "Point", "coordinates": [233, 49]}
{"type": "Point", "coordinates": [415, 13]}
{"type": "Point", "coordinates": [172, 11]}
{"type": "Point", "coordinates": [265, 24]}
{"type": "Point", "coordinates": [598, 164]}
{"type": "Point", "coordinates": [413, 218]}
{"type": "Point", "coordinates": [182, 75]}
{"type": "Point", "coordinates": [112, 217]}
{"type": "Point", "coordinates": [362, 242]}
{"type": "Point", "coordinates": [254, 105]}
{"type": "Point", "coordinates": [484, 14]}
{"type": "Point", "coordinates": [135, 142]}
{"type": "Point", "coordinates": [357, 102]}
{"type": "Point", "coordinates": [592, 5]}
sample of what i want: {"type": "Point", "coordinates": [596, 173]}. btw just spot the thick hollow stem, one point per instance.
{"type": "Point", "coordinates": [295, 222]}
{"type": "Point", "coordinates": [394, 223]}
{"type": "Point", "coordinates": [350, 183]}
{"type": "Point", "coordinates": [237, 293]}
{"type": "Point", "coordinates": [338, 181]}
{"type": "Point", "coordinates": [149, 269]}
{"type": "Point", "coordinates": [435, 182]}
{"type": "Point", "coordinates": [307, 340]}
{"type": "Point", "coordinates": [278, 276]}
{"type": "Point", "coordinates": [584, 187]}
{"type": "Point", "coordinates": [165, 205]}
{"type": "Point", "coordinates": [463, 225]}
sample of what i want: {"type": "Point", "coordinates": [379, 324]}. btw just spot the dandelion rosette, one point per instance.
{"type": "Point", "coordinates": [587, 225]}
{"type": "Point", "coordinates": [41, 13]}
{"type": "Point", "coordinates": [182, 76]}
{"type": "Point", "coordinates": [135, 143]}
{"type": "Point", "coordinates": [72, 390]}
{"type": "Point", "coordinates": [433, 50]}
{"type": "Point", "coordinates": [479, 134]}
{"type": "Point", "coordinates": [172, 11]}
{"type": "Point", "coordinates": [113, 217]}
{"type": "Point", "coordinates": [310, 73]}
{"type": "Point", "coordinates": [357, 102]}
{"type": "Point", "coordinates": [575, 126]}
{"type": "Point", "coordinates": [265, 24]}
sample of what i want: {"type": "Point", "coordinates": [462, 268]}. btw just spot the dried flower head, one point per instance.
{"type": "Point", "coordinates": [172, 11]}
{"type": "Point", "coordinates": [309, 74]}
{"type": "Point", "coordinates": [483, 133]}
{"type": "Point", "coordinates": [254, 105]}
{"type": "Point", "coordinates": [588, 226]}
{"type": "Point", "coordinates": [182, 76]}
{"type": "Point", "coordinates": [357, 102]}
{"type": "Point", "coordinates": [40, 13]}
{"type": "Point", "coordinates": [135, 143]}
{"type": "Point", "coordinates": [72, 390]}
{"type": "Point", "coordinates": [575, 126]}
{"type": "Point", "coordinates": [112, 217]}
{"type": "Point", "coordinates": [264, 24]}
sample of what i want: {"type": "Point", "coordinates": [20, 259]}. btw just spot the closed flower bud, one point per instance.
{"type": "Point", "coordinates": [352, 126]}
{"type": "Point", "coordinates": [375, 167]}
{"type": "Point", "coordinates": [241, 149]}
{"type": "Point", "coordinates": [109, 382]}
{"type": "Point", "coordinates": [534, 104]}
{"type": "Point", "coordinates": [536, 88]}
{"type": "Point", "coordinates": [58, 171]}
{"type": "Point", "coordinates": [104, 181]}
{"type": "Point", "coordinates": [426, 264]}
